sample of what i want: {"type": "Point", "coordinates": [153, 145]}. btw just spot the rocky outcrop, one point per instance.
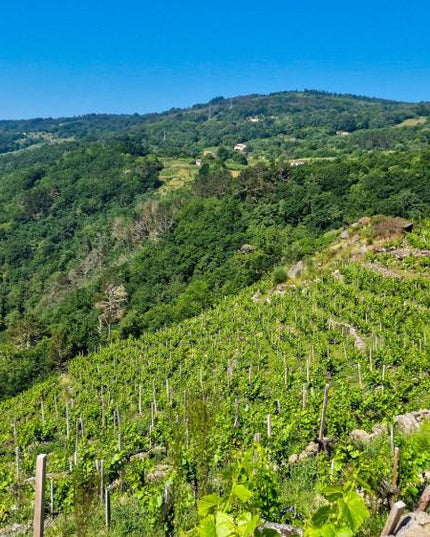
{"type": "Point", "coordinates": [351, 331]}
{"type": "Point", "coordinates": [296, 270]}
{"type": "Point", "coordinates": [415, 524]}
{"type": "Point", "coordinates": [362, 437]}
{"type": "Point", "coordinates": [410, 422]}
{"type": "Point", "coordinates": [247, 249]}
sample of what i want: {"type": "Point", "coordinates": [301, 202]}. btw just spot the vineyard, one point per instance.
{"type": "Point", "coordinates": [163, 421]}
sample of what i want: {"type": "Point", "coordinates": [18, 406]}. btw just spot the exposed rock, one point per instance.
{"type": "Point", "coordinates": [337, 275]}
{"type": "Point", "coordinates": [362, 437]}
{"type": "Point", "coordinates": [414, 525]}
{"type": "Point", "coordinates": [284, 530]}
{"type": "Point", "coordinates": [312, 447]}
{"type": "Point", "coordinates": [350, 330]}
{"type": "Point", "coordinates": [311, 450]}
{"type": "Point", "coordinates": [160, 472]}
{"type": "Point", "coordinates": [344, 234]}
{"type": "Point", "coordinates": [410, 422]}
{"type": "Point", "coordinates": [247, 249]}
{"type": "Point", "coordinates": [296, 269]}
{"type": "Point", "coordinates": [279, 290]}
{"type": "Point", "coordinates": [257, 297]}
{"type": "Point", "coordinates": [364, 220]}
{"type": "Point", "coordinates": [15, 529]}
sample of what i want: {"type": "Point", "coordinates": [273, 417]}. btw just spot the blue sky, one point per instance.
{"type": "Point", "coordinates": [68, 57]}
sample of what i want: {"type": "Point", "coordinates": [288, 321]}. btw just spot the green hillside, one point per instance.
{"type": "Point", "coordinates": [208, 384]}
{"type": "Point", "coordinates": [164, 290]}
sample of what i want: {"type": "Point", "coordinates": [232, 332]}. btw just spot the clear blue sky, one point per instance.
{"type": "Point", "coordinates": [64, 57]}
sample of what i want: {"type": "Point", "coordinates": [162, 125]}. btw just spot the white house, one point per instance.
{"type": "Point", "coordinates": [240, 147]}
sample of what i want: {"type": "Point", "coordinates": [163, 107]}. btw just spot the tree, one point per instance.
{"type": "Point", "coordinates": [111, 307]}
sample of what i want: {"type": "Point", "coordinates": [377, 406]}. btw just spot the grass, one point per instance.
{"type": "Point", "coordinates": [177, 173]}
{"type": "Point", "coordinates": [413, 122]}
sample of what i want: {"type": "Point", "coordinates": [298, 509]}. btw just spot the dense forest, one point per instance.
{"type": "Point", "coordinates": [144, 249]}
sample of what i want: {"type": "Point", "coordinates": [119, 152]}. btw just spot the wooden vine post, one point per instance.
{"type": "Point", "coordinates": [107, 507]}
{"type": "Point", "coordinates": [51, 496]}
{"type": "Point", "coordinates": [38, 519]}
{"type": "Point", "coordinates": [102, 479]}
{"type": "Point", "coordinates": [395, 467]}
{"type": "Point", "coordinates": [269, 426]}
{"type": "Point", "coordinates": [393, 519]}
{"type": "Point", "coordinates": [324, 411]}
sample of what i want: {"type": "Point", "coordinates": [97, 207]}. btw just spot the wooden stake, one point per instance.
{"type": "Point", "coordinates": [424, 500]}
{"type": "Point", "coordinates": [152, 414]}
{"type": "Point", "coordinates": [392, 438]}
{"type": "Point", "coordinates": [154, 397]}
{"type": "Point", "coordinates": [38, 520]}
{"type": "Point", "coordinates": [102, 479]}
{"type": "Point", "coordinates": [304, 396]}
{"type": "Point", "coordinates": [269, 425]}
{"type": "Point", "coordinates": [42, 411]}
{"type": "Point", "coordinates": [107, 507]}
{"type": "Point", "coordinates": [51, 496]}
{"type": "Point", "coordinates": [17, 473]}
{"type": "Point", "coordinates": [167, 391]}
{"type": "Point", "coordinates": [324, 411]}
{"type": "Point", "coordinates": [81, 425]}
{"type": "Point", "coordinates": [395, 467]}
{"type": "Point", "coordinates": [393, 519]}
{"type": "Point", "coordinates": [140, 399]}
{"type": "Point", "coordinates": [103, 411]}
{"type": "Point", "coordinates": [236, 413]}
{"type": "Point", "coordinates": [360, 380]}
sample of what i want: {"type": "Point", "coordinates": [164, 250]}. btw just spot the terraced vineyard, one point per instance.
{"type": "Point", "coordinates": [169, 412]}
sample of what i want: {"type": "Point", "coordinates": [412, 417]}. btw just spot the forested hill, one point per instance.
{"type": "Point", "coordinates": [300, 121]}
{"type": "Point", "coordinates": [113, 226]}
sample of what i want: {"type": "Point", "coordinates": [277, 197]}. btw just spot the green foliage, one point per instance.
{"type": "Point", "coordinates": [342, 515]}
{"type": "Point", "coordinates": [239, 509]}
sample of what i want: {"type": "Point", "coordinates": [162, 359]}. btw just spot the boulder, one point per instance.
{"type": "Point", "coordinates": [360, 436]}
{"type": "Point", "coordinates": [363, 437]}
{"type": "Point", "coordinates": [296, 269]}
{"type": "Point", "coordinates": [312, 447]}
{"type": "Point", "coordinates": [247, 249]}
{"type": "Point", "coordinates": [414, 525]}
{"type": "Point", "coordinates": [406, 423]}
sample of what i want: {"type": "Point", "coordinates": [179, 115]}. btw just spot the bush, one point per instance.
{"type": "Point", "coordinates": [279, 275]}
